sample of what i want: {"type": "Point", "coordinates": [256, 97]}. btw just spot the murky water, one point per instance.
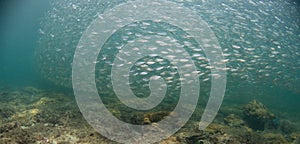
{"type": "Point", "coordinates": [260, 43]}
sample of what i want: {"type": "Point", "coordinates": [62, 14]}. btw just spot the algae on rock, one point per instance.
{"type": "Point", "coordinates": [257, 115]}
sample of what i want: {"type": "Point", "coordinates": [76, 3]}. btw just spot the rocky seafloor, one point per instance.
{"type": "Point", "coordinates": [30, 115]}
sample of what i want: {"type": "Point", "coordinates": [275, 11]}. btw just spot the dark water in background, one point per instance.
{"type": "Point", "coordinates": [19, 27]}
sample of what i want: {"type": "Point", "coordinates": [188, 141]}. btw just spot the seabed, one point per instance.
{"type": "Point", "coordinates": [30, 115]}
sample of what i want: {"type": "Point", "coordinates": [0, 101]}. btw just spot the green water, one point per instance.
{"type": "Point", "coordinates": [260, 41]}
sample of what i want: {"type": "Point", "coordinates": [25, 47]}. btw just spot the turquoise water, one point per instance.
{"type": "Point", "coordinates": [260, 41]}
{"type": "Point", "coordinates": [19, 24]}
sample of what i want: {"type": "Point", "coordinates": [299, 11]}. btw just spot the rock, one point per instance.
{"type": "Point", "coordinates": [213, 128]}
{"type": "Point", "coordinates": [43, 101]}
{"type": "Point", "coordinates": [294, 138]}
{"type": "Point", "coordinates": [214, 133]}
{"type": "Point", "coordinates": [257, 115]}
{"type": "Point", "coordinates": [26, 117]}
{"type": "Point", "coordinates": [8, 126]}
{"type": "Point", "coordinates": [116, 113]}
{"type": "Point", "coordinates": [287, 127]}
{"type": "Point", "coordinates": [272, 138]}
{"type": "Point", "coordinates": [17, 136]}
{"type": "Point", "coordinates": [170, 140]}
{"type": "Point", "coordinates": [6, 110]}
{"type": "Point", "coordinates": [233, 121]}
{"type": "Point", "coordinates": [155, 116]}
{"type": "Point", "coordinates": [248, 138]}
